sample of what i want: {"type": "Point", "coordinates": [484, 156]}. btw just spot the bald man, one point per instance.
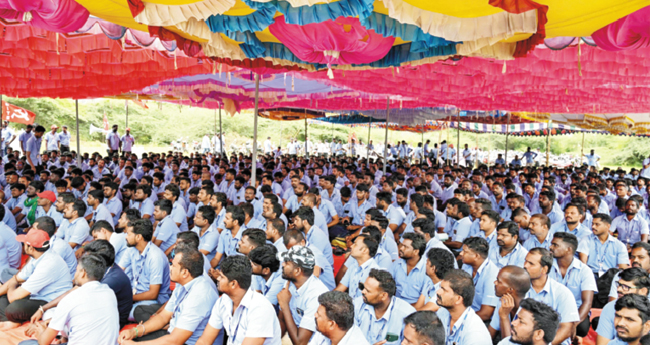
{"type": "Point", "coordinates": [511, 286]}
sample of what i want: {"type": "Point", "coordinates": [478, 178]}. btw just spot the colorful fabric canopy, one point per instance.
{"type": "Point", "coordinates": [362, 34]}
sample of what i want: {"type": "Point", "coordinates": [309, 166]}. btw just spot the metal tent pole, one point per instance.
{"type": "Point", "coordinates": [306, 147]}
{"type": "Point", "coordinates": [386, 136]}
{"type": "Point", "coordinates": [220, 132]}
{"type": "Point", "coordinates": [215, 129]}
{"type": "Point", "coordinates": [582, 147]}
{"type": "Point", "coordinates": [368, 143]}
{"type": "Point", "coordinates": [126, 106]}
{"type": "Point", "coordinates": [458, 135]}
{"type": "Point", "coordinates": [548, 143]}
{"type": "Point", "coordinates": [76, 104]}
{"type": "Point", "coordinates": [254, 163]}
{"type": "Point", "coordinates": [507, 135]}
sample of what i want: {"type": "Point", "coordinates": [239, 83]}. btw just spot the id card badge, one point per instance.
{"type": "Point", "coordinates": [600, 270]}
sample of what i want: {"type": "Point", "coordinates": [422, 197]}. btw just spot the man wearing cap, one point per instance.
{"type": "Point", "coordinates": [64, 139]}
{"type": "Point", "coordinates": [33, 147]}
{"type": "Point", "coordinates": [52, 139]}
{"type": "Point", "coordinates": [44, 278]}
{"type": "Point", "coordinates": [127, 141]}
{"type": "Point", "coordinates": [298, 301]}
{"type": "Point", "coordinates": [113, 141]}
{"type": "Point", "coordinates": [24, 136]}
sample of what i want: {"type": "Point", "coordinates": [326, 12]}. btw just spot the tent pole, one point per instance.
{"type": "Point", "coordinates": [254, 163]}
{"type": "Point", "coordinates": [76, 104]}
{"type": "Point", "coordinates": [126, 105]}
{"type": "Point", "coordinates": [458, 141]}
{"type": "Point", "coordinates": [215, 131]}
{"type": "Point", "coordinates": [476, 153]}
{"type": "Point", "coordinates": [386, 135]}
{"type": "Point", "coordinates": [582, 147]}
{"type": "Point", "coordinates": [368, 143]}
{"type": "Point", "coordinates": [507, 135]}
{"type": "Point", "coordinates": [548, 143]}
{"type": "Point", "coordinates": [306, 147]}
{"type": "Point", "coordinates": [220, 132]}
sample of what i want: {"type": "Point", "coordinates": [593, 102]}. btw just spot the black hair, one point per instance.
{"type": "Point", "coordinates": [238, 267]}
{"type": "Point", "coordinates": [385, 280]}
{"type": "Point", "coordinates": [461, 283]}
{"type": "Point", "coordinates": [605, 218]}
{"type": "Point", "coordinates": [546, 319]}
{"type": "Point", "coordinates": [478, 245]}
{"type": "Point", "coordinates": [636, 275]}
{"type": "Point", "coordinates": [428, 326]}
{"type": "Point", "coordinates": [306, 214]}
{"type": "Point", "coordinates": [417, 242]}
{"type": "Point", "coordinates": [94, 265]}
{"type": "Point", "coordinates": [142, 227]}
{"type": "Point", "coordinates": [192, 260]}
{"type": "Point", "coordinates": [255, 236]}
{"type": "Point", "coordinates": [190, 238]}
{"type": "Point", "coordinates": [208, 213]}
{"type": "Point", "coordinates": [265, 256]}
{"type": "Point", "coordinates": [442, 260]}
{"type": "Point", "coordinates": [164, 205]}
{"type": "Point", "coordinates": [634, 301]}
{"type": "Point", "coordinates": [338, 308]}
{"type": "Point", "coordinates": [101, 224]}
{"type": "Point", "coordinates": [236, 213]}
{"type": "Point", "coordinates": [570, 239]}
{"type": "Point", "coordinates": [45, 223]}
{"type": "Point", "coordinates": [512, 227]}
{"type": "Point", "coordinates": [102, 248]}
{"type": "Point", "coordinates": [546, 259]}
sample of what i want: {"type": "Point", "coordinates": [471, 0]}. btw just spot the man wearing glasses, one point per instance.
{"type": "Point", "coordinates": [633, 280]}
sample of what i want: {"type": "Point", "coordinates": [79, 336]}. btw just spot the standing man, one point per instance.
{"type": "Point", "coordinates": [113, 142]}
{"type": "Point", "coordinates": [126, 142]}
{"type": "Point", "coordinates": [64, 140]}
{"type": "Point", "coordinates": [24, 137]}
{"type": "Point", "coordinates": [268, 146]}
{"type": "Point", "coordinates": [467, 156]}
{"type": "Point", "coordinates": [7, 136]}
{"type": "Point", "coordinates": [530, 156]}
{"type": "Point", "coordinates": [592, 159]}
{"type": "Point", "coordinates": [52, 139]}
{"type": "Point", "coordinates": [33, 147]}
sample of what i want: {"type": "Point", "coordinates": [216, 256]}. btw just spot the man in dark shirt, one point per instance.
{"type": "Point", "coordinates": [114, 277]}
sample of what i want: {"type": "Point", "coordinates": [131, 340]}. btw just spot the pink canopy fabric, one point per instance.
{"type": "Point", "coordinates": [53, 15]}
{"type": "Point", "coordinates": [629, 32]}
{"type": "Point", "coordinates": [584, 80]}
{"type": "Point", "coordinates": [342, 41]}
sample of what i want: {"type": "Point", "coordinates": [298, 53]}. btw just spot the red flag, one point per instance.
{"type": "Point", "coordinates": [105, 122]}
{"type": "Point", "coordinates": [140, 103]}
{"type": "Point", "coordinates": [13, 113]}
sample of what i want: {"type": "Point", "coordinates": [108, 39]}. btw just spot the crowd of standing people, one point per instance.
{"type": "Point", "coordinates": [170, 248]}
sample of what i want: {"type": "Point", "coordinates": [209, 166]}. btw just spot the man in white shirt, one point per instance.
{"type": "Point", "coordinates": [127, 141]}
{"type": "Point", "coordinates": [268, 146]}
{"type": "Point", "coordinates": [244, 314]}
{"type": "Point", "coordinates": [335, 321]}
{"type": "Point", "coordinates": [205, 143]}
{"type": "Point", "coordinates": [113, 141]}
{"type": "Point", "coordinates": [88, 312]}
{"type": "Point", "coordinates": [64, 139]}
{"type": "Point", "coordinates": [52, 139]}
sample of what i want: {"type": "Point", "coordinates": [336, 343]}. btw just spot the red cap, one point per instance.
{"type": "Point", "coordinates": [48, 194]}
{"type": "Point", "coordinates": [54, 126]}
{"type": "Point", "coordinates": [35, 238]}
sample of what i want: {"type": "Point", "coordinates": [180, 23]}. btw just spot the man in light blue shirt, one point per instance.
{"type": "Point", "coordinates": [540, 235]}
{"type": "Point", "coordinates": [631, 227]}
{"type": "Point", "coordinates": [536, 324]}
{"type": "Point", "coordinates": [267, 276]}
{"type": "Point", "coordinates": [508, 250]}
{"type": "Point", "coordinates": [10, 249]}
{"type": "Point", "coordinates": [631, 281]}
{"type": "Point", "coordinates": [149, 270]}
{"type": "Point", "coordinates": [230, 236]}
{"type": "Point", "coordinates": [25, 292]}
{"type": "Point", "coordinates": [142, 201]}
{"type": "Point", "coordinates": [304, 221]}
{"type": "Point", "coordinates": [572, 215]}
{"type": "Point", "coordinates": [179, 214]}
{"type": "Point", "coordinates": [592, 159]}
{"type": "Point", "coordinates": [188, 309]}
{"type": "Point", "coordinates": [363, 249]}
{"type": "Point", "coordinates": [631, 321]}
{"type": "Point", "coordinates": [208, 235]}
{"type": "Point", "coordinates": [76, 227]}
{"type": "Point", "coordinates": [378, 298]}
{"type": "Point", "coordinates": [299, 302]}
{"type": "Point", "coordinates": [112, 202]}
{"type": "Point", "coordinates": [164, 235]}
{"type": "Point", "coordinates": [455, 298]}
{"type": "Point", "coordinates": [539, 263]}
{"type": "Point", "coordinates": [529, 157]}
{"type": "Point", "coordinates": [475, 262]}
{"type": "Point", "coordinates": [102, 230]}
{"type": "Point", "coordinates": [576, 276]}
{"type": "Point", "coordinates": [33, 147]}
{"type": "Point", "coordinates": [603, 250]}
{"type": "Point", "coordinates": [409, 270]}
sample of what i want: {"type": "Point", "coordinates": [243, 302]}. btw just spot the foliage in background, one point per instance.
{"type": "Point", "coordinates": [163, 123]}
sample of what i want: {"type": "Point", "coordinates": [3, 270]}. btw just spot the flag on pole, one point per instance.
{"type": "Point", "coordinates": [105, 122]}
{"type": "Point", "coordinates": [16, 114]}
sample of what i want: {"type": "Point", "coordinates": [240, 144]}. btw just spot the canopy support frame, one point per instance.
{"type": "Point", "coordinates": [76, 105]}
{"type": "Point", "coordinates": [386, 135]}
{"type": "Point", "coordinates": [254, 160]}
